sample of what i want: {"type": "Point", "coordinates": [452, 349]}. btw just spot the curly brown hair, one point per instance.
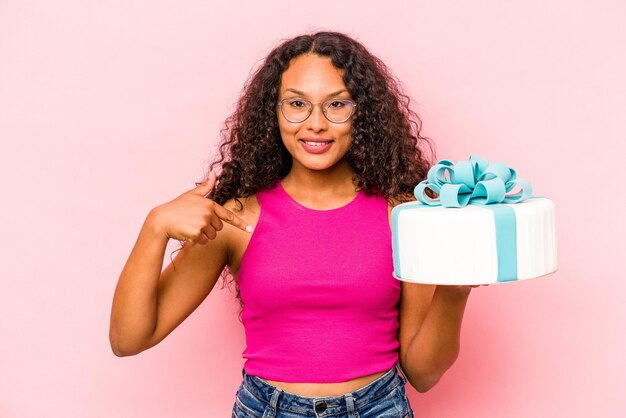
{"type": "Point", "coordinates": [386, 154]}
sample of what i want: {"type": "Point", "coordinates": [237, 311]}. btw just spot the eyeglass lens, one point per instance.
{"type": "Point", "coordinates": [297, 110]}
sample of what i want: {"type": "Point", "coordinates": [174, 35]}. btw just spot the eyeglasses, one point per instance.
{"type": "Point", "coordinates": [297, 110]}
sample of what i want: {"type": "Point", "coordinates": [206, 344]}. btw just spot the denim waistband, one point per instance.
{"type": "Point", "coordinates": [331, 405]}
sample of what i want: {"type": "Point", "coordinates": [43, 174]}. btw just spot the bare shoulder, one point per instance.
{"type": "Point", "coordinates": [242, 205]}
{"type": "Point", "coordinates": [248, 209]}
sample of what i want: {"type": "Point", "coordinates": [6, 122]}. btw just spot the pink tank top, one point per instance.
{"type": "Point", "coordinates": [320, 301]}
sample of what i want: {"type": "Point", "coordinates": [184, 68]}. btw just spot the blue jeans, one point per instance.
{"type": "Point", "coordinates": [383, 398]}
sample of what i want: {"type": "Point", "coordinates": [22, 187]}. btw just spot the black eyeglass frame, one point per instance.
{"type": "Point", "coordinates": [311, 105]}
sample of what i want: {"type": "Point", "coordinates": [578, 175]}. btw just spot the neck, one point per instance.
{"type": "Point", "coordinates": [337, 179]}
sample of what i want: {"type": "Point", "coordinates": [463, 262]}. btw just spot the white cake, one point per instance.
{"type": "Point", "coordinates": [474, 244]}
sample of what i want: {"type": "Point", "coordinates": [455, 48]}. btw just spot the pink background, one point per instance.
{"type": "Point", "coordinates": [108, 109]}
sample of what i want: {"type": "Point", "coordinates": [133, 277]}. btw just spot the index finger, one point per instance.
{"type": "Point", "coordinates": [230, 217]}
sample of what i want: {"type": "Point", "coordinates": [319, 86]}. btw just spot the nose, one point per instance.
{"type": "Point", "coordinates": [316, 120]}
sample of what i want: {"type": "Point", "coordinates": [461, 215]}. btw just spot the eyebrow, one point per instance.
{"type": "Point", "coordinates": [301, 93]}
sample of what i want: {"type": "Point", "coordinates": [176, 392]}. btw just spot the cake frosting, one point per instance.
{"type": "Point", "coordinates": [473, 232]}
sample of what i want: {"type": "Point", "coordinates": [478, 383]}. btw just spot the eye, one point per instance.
{"type": "Point", "coordinates": [295, 103]}
{"type": "Point", "coordinates": [337, 104]}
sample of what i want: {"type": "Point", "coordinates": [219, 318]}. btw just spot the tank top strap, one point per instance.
{"type": "Point", "coordinates": [268, 196]}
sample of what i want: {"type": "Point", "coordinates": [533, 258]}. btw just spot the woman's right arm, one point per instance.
{"type": "Point", "coordinates": [149, 304]}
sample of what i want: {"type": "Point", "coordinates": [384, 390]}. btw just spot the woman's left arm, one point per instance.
{"type": "Point", "coordinates": [430, 340]}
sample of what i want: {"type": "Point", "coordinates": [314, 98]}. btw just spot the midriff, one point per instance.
{"type": "Point", "coordinates": [325, 389]}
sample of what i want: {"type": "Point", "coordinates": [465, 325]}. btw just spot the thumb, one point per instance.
{"type": "Point", "coordinates": [205, 186]}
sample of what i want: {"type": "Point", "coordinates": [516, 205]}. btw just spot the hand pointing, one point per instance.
{"type": "Point", "coordinates": [194, 217]}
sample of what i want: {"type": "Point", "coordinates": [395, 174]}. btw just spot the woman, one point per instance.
{"type": "Point", "coordinates": [321, 147]}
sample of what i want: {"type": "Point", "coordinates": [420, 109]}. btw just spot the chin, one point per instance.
{"type": "Point", "coordinates": [317, 167]}
{"type": "Point", "coordinates": [321, 166]}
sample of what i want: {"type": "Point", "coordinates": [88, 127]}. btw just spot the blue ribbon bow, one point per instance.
{"type": "Point", "coordinates": [471, 182]}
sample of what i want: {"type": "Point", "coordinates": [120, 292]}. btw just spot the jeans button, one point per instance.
{"type": "Point", "coordinates": [320, 407]}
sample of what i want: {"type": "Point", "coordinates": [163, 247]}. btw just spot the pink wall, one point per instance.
{"type": "Point", "coordinates": [108, 109]}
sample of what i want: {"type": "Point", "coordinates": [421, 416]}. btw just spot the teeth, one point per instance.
{"type": "Point", "coordinates": [315, 144]}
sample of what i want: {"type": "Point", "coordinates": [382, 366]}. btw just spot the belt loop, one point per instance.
{"type": "Point", "coordinates": [350, 404]}
{"type": "Point", "coordinates": [273, 404]}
